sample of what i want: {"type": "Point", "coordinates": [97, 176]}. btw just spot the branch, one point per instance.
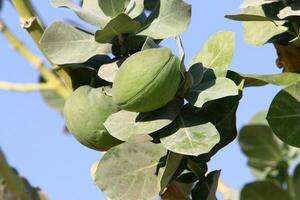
{"type": "Point", "coordinates": [25, 87]}
{"type": "Point", "coordinates": [226, 191]}
{"type": "Point", "coordinates": [31, 22]}
{"type": "Point", "coordinates": [11, 180]}
{"type": "Point", "coordinates": [34, 60]}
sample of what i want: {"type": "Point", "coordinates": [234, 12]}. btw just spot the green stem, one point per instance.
{"type": "Point", "coordinates": [290, 187]}
{"type": "Point", "coordinates": [11, 180]}
{"type": "Point", "coordinates": [35, 61]}
{"type": "Point", "coordinates": [122, 44]}
{"type": "Point", "coordinates": [31, 22]}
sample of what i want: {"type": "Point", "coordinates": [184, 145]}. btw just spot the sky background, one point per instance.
{"type": "Point", "coordinates": [31, 134]}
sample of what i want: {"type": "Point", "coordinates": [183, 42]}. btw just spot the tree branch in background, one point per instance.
{"type": "Point", "coordinates": [226, 191]}
{"type": "Point", "coordinates": [35, 61]}
{"type": "Point", "coordinates": [32, 23]}
{"type": "Point", "coordinates": [11, 180]}
{"type": "Point", "coordinates": [25, 87]}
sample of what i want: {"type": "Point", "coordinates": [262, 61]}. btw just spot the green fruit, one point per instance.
{"type": "Point", "coordinates": [85, 111]}
{"type": "Point", "coordinates": [147, 80]}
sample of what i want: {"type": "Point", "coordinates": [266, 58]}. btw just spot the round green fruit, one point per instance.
{"type": "Point", "coordinates": [85, 111]}
{"type": "Point", "coordinates": [147, 80]}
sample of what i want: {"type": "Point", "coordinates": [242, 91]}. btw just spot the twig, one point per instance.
{"type": "Point", "coordinates": [11, 180]}
{"type": "Point", "coordinates": [226, 191]}
{"type": "Point", "coordinates": [34, 60]}
{"type": "Point", "coordinates": [31, 22]}
{"type": "Point", "coordinates": [25, 87]}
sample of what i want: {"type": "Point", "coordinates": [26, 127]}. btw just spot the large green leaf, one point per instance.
{"type": "Point", "coordinates": [259, 32]}
{"type": "Point", "coordinates": [206, 190]}
{"type": "Point", "coordinates": [112, 8]}
{"type": "Point", "coordinates": [130, 171]}
{"type": "Point", "coordinates": [173, 18]}
{"type": "Point", "coordinates": [211, 90]}
{"type": "Point", "coordinates": [121, 24]}
{"type": "Point", "coordinates": [189, 134]}
{"type": "Point", "coordinates": [65, 44]}
{"type": "Point", "coordinates": [284, 113]}
{"type": "Point", "coordinates": [263, 190]}
{"type": "Point", "coordinates": [248, 3]}
{"type": "Point", "coordinates": [283, 79]}
{"type": "Point", "coordinates": [124, 125]}
{"type": "Point", "coordinates": [217, 53]}
{"type": "Point", "coordinates": [259, 145]}
{"type": "Point", "coordinates": [222, 113]}
{"type": "Point", "coordinates": [89, 12]}
{"type": "Point", "coordinates": [172, 164]}
{"type": "Point", "coordinates": [293, 10]}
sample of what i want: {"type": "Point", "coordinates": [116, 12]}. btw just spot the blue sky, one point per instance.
{"type": "Point", "coordinates": [31, 134]}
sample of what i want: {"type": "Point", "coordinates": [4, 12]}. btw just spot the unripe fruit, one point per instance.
{"type": "Point", "coordinates": [85, 111]}
{"type": "Point", "coordinates": [147, 80]}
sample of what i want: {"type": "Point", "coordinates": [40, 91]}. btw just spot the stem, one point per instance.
{"type": "Point", "coordinates": [122, 44]}
{"type": "Point", "coordinates": [11, 180]}
{"type": "Point", "coordinates": [25, 87]}
{"type": "Point", "coordinates": [34, 60]}
{"type": "Point", "coordinates": [31, 22]}
{"type": "Point", "coordinates": [290, 187]}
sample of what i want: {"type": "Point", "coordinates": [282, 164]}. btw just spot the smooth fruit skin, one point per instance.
{"type": "Point", "coordinates": [85, 111]}
{"type": "Point", "coordinates": [147, 80]}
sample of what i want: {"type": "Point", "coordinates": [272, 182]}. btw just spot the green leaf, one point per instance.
{"type": "Point", "coordinates": [221, 113]}
{"type": "Point", "coordinates": [293, 10]}
{"type": "Point", "coordinates": [211, 90]}
{"type": "Point", "coordinates": [117, 26]}
{"type": "Point", "coordinates": [89, 12]}
{"type": "Point", "coordinates": [112, 8]}
{"type": "Point", "coordinates": [206, 190]}
{"type": "Point", "coordinates": [248, 17]}
{"type": "Point", "coordinates": [149, 44]}
{"type": "Point", "coordinates": [217, 53]}
{"type": "Point", "coordinates": [283, 79]}
{"type": "Point", "coordinates": [181, 54]}
{"type": "Point", "coordinates": [129, 171]}
{"type": "Point", "coordinates": [108, 71]}
{"type": "Point", "coordinates": [189, 134]}
{"type": "Point", "coordinates": [259, 145]}
{"type": "Point", "coordinates": [259, 118]}
{"type": "Point", "coordinates": [296, 182]}
{"type": "Point", "coordinates": [172, 164]}
{"type": "Point", "coordinates": [284, 112]}
{"type": "Point", "coordinates": [135, 8]}
{"type": "Point", "coordinates": [173, 18]}
{"type": "Point", "coordinates": [263, 190]}
{"type": "Point", "coordinates": [248, 3]}
{"type": "Point", "coordinates": [124, 125]}
{"type": "Point", "coordinates": [259, 32]}
{"type": "Point", "coordinates": [65, 44]}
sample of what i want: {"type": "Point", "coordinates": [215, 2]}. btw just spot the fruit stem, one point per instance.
{"type": "Point", "coordinates": [34, 61]}
{"type": "Point", "coordinates": [32, 23]}
{"type": "Point", "coordinates": [11, 180]}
